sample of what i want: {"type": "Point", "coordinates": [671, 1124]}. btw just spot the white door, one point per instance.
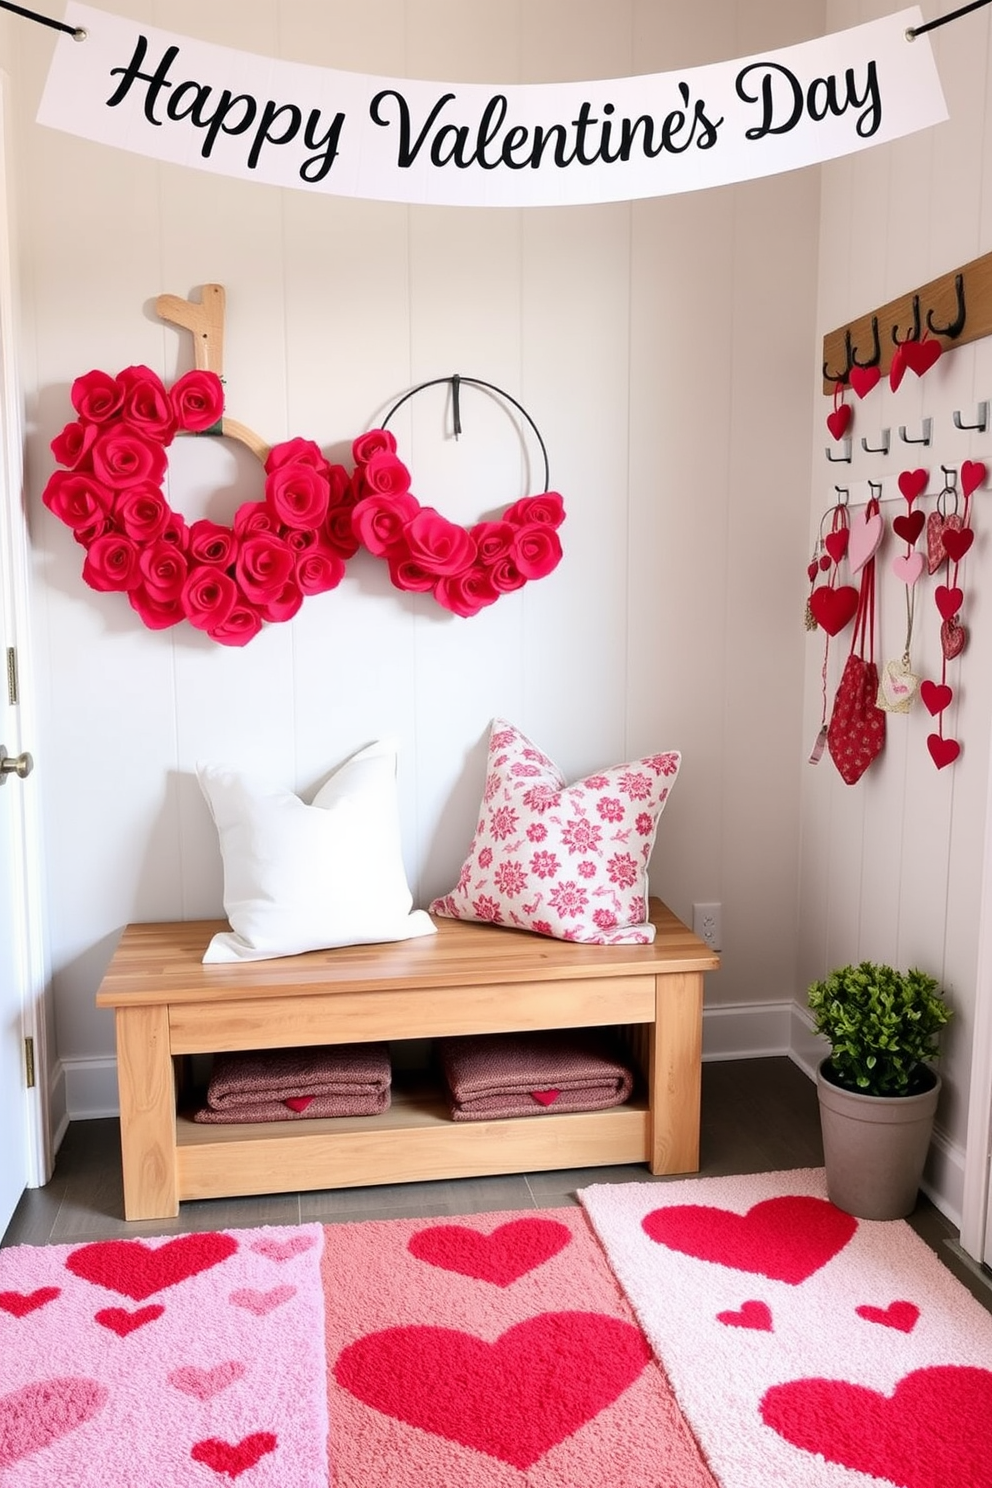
{"type": "Point", "coordinates": [24, 1138]}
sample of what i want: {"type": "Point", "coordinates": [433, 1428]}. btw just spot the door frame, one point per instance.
{"type": "Point", "coordinates": [976, 1200]}
{"type": "Point", "coordinates": [23, 800]}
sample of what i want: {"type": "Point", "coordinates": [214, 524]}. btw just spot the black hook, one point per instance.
{"type": "Point", "coordinates": [954, 329]}
{"type": "Point", "coordinates": [849, 353]}
{"type": "Point", "coordinates": [914, 334]}
{"type": "Point", "coordinates": [456, 382]}
{"type": "Point", "coordinates": [876, 355]}
{"type": "Point", "coordinates": [456, 407]}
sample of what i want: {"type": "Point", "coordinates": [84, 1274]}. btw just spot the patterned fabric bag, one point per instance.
{"type": "Point", "coordinates": [856, 732]}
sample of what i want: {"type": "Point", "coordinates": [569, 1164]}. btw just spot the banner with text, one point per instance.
{"type": "Point", "coordinates": [192, 103]}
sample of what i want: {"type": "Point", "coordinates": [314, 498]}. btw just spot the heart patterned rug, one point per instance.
{"type": "Point", "coordinates": [806, 1348]}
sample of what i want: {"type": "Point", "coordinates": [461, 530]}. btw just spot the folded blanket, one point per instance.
{"type": "Point", "coordinates": [289, 1084]}
{"type": "Point", "coordinates": [524, 1074]}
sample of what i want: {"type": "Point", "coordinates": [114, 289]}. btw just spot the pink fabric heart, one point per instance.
{"type": "Point", "coordinates": [262, 1302]}
{"type": "Point", "coordinates": [38, 1414]}
{"type": "Point", "coordinates": [900, 1315]}
{"type": "Point", "coordinates": [907, 567]}
{"type": "Point", "coordinates": [866, 535]}
{"type": "Point", "coordinates": [204, 1384]}
{"type": "Point", "coordinates": [755, 1315]}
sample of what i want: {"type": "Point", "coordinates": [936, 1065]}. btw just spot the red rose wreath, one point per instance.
{"type": "Point", "coordinates": [228, 581]}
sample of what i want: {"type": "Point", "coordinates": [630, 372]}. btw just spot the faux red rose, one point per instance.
{"type": "Point", "coordinates": [383, 475]}
{"type": "Point", "coordinates": [380, 522]}
{"type": "Point", "coordinates": [142, 512]}
{"type": "Point", "coordinates": [255, 516]}
{"type": "Point", "coordinates": [548, 508]}
{"type": "Point", "coordinates": [536, 550]}
{"type": "Point", "coordinates": [295, 452]}
{"type": "Point", "coordinates": [112, 563]}
{"type": "Point", "coordinates": [163, 571]}
{"type": "Point", "coordinates": [77, 500]}
{"type": "Point", "coordinates": [406, 573]}
{"type": "Point", "coordinates": [440, 545]}
{"type": "Point", "coordinates": [468, 592]}
{"type": "Point", "coordinates": [208, 597]}
{"type": "Point", "coordinates": [96, 396]}
{"type": "Point", "coordinates": [284, 604]}
{"type": "Point", "coordinates": [264, 566]}
{"type": "Point", "coordinates": [298, 494]}
{"type": "Point", "coordinates": [156, 613]}
{"type": "Point", "coordinates": [209, 542]}
{"type": "Point", "coordinates": [146, 404]}
{"type": "Point", "coordinates": [372, 443]}
{"type": "Point", "coordinates": [493, 539]}
{"type": "Point", "coordinates": [123, 456]}
{"type": "Point", "coordinates": [71, 448]}
{"type": "Point", "coordinates": [505, 576]}
{"type": "Point", "coordinates": [198, 401]}
{"type": "Point", "coordinates": [241, 625]}
{"type": "Point", "coordinates": [319, 569]}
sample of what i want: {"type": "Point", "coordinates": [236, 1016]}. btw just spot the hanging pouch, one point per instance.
{"type": "Point", "coordinates": [856, 732]}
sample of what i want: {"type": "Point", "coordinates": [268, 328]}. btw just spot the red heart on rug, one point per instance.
{"type": "Point", "coordinates": [942, 751]}
{"type": "Point", "coordinates": [755, 1315]}
{"type": "Point", "coordinates": [913, 483]}
{"type": "Point", "coordinates": [973, 473]}
{"type": "Point", "coordinates": [909, 526]}
{"type": "Point", "coordinates": [786, 1239]}
{"type": "Point", "coordinates": [502, 1257]}
{"type": "Point", "coordinates": [957, 541]}
{"type": "Point", "coordinates": [234, 1458]}
{"type": "Point", "coordinates": [282, 1250]}
{"type": "Point", "coordinates": [19, 1304]}
{"type": "Point", "coordinates": [936, 697]}
{"type": "Point", "coordinates": [204, 1384]}
{"type": "Point", "coordinates": [921, 355]}
{"type": "Point", "coordinates": [832, 609]}
{"type": "Point", "coordinates": [513, 1399]}
{"type": "Point", "coordinates": [952, 639]}
{"type": "Point", "coordinates": [839, 421]}
{"type": "Point", "coordinates": [122, 1322]}
{"type": "Point", "coordinates": [948, 600]}
{"type": "Point", "coordinates": [136, 1270]}
{"type": "Point", "coordinates": [897, 366]}
{"type": "Point", "coordinates": [261, 1303]}
{"type": "Point", "coordinates": [545, 1097]}
{"type": "Point", "coordinates": [863, 379]}
{"type": "Point", "coordinates": [901, 1315]}
{"type": "Point", "coordinates": [836, 543]}
{"type": "Point", "coordinates": [934, 1431]}
{"type": "Point", "coordinates": [40, 1413]}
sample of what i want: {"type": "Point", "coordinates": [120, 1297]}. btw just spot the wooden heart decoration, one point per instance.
{"type": "Point", "coordinates": [909, 526]}
{"type": "Point", "coordinates": [943, 752]}
{"type": "Point", "coordinates": [913, 483]}
{"type": "Point", "coordinates": [865, 538]}
{"type": "Point", "coordinates": [863, 379]}
{"type": "Point", "coordinates": [973, 473]}
{"type": "Point", "coordinates": [908, 566]}
{"type": "Point", "coordinates": [952, 639]}
{"type": "Point", "coordinates": [921, 355]}
{"type": "Point", "coordinates": [839, 421]}
{"type": "Point", "coordinates": [937, 525]}
{"type": "Point", "coordinates": [836, 543]}
{"type": "Point", "coordinates": [936, 696]}
{"type": "Point", "coordinates": [957, 541]}
{"type": "Point", "coordinates": [832, 609]}
{"type": "Point", "coordinates": [948, 600]}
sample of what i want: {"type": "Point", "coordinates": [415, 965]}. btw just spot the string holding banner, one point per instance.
{"type": "Point", "coordinates": [192, 103]}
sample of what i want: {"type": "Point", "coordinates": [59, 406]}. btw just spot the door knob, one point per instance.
{"type": "Point", "coordinates": [14, 764]}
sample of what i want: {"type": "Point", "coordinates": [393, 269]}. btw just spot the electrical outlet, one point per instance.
{"type": "Point", "coordinates": [706, 924]}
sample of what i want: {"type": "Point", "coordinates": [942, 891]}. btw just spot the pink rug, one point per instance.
{"type": "Point", "coordinates": [808, 1349]}
{"type": "Point", "coordinates": [492, 1351]}
{"type": "Point", "coordinates": [164, 1363]}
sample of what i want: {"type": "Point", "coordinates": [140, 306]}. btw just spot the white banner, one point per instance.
{"type": "Point", "coordinates": [398, 139]}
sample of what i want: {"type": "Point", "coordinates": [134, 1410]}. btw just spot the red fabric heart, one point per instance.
{"type": "Point", "coordinates": [19, 1304]}
{"type": "Point", "coordinates": [897, 366]}
{"type": "Point", "coordinates": [836, 543]}
{"type": "Point", "coordinates": [913, 483]}
{"type": "Point", "coordinates": [909, 526]}
{"type": "Point", "coordinates": [545, 1097]}
{"type": "Point", "coordinates": [942, 751]}
{"type": "Point", "coordinates": [935, 1430]}
{"type": "Point", "coordinates": [755, 1315]}
{"type": "Point", "coordinates": [863, 379]}
{"type": "Point", "coordinates": [134, 1269]}
{"type": "Point", "coordinates": [787, 1239]}
{"type": "Point", "coordinates": [937, 526]}
{"type": "Point", "coordinates": [297, 1103]}
{"type": "Point", "coordinates": [832, 609]}
{"type": "Point", "coordinates": [234, 1458]}
{"type": "Point", "coordinates": [973, 473]}
{"type": "Point", "coordinates": [900, 1315]}
{"type": "Point", "coordinates": [948, 600]}
{"type": "Point", "coordinates": [921, 355]}
{"type": "Point", "coordinates": [502, 1257]}
{"type": "Point", "coordinates": [957, 542]}
{"type": "Point", "coordinates": [514, 1399]}
{"type": "Point", "coordinates": [825, 562]}
{"type": "Point", "coordinates": [122, 1322]}
{"type": "Point", "coordinates": [936, 696]}
{"type": "Point", "coordinates": [952, 639]}
{"type": "Point", "coordinates": [40, 1413]}
{"type": "Point", "coordinates": [839, 421]}
{"type": "Point", "coordinates": [812, 569]}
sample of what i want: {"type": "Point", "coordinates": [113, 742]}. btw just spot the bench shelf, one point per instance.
{"type": "Point", "coordinates": [466, 979]}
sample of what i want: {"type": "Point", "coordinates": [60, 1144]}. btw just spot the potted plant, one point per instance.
{"type": "Point", "coordinates": [877, 1089]}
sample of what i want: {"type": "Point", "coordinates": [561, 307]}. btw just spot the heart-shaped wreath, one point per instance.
{"type": "Point", "coordinates": [228, 581]}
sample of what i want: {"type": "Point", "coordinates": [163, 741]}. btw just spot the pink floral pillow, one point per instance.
{"type": "Point", "coordinates": [569, 861]}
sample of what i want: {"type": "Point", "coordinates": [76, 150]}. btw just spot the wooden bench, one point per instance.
{"type": "Point", "coordinates": [468, 978]}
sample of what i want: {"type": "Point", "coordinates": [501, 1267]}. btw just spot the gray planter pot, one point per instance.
{"type": "Point", "coordinates": [874, 1147]}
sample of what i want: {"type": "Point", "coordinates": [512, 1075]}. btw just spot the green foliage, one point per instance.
{"type": "Point", "coordinates": [882, 1026]}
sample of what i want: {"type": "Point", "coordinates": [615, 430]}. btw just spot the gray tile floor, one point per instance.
{"type": "Point", "coordinates": [758, 1115]}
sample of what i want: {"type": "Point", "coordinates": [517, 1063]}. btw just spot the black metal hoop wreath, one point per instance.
{"type": "Point", "coordinates": [456, 381]}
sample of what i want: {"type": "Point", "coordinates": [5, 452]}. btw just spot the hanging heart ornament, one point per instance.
{"type": "Point", "coordinates": [897, 686]}
{"type": "Point", "coordinates": [937, 526]}
{"type": "Point", "coordinates": [866, 535]}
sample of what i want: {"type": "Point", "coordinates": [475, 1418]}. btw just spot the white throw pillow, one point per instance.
{"type": "Point", "coordinates": [306, 878]}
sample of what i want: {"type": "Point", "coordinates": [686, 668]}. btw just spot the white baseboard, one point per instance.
{"type": "Point", "coordinates": [752, 1030]}
{"type": "Point", "coordinates": [90, 1088]}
